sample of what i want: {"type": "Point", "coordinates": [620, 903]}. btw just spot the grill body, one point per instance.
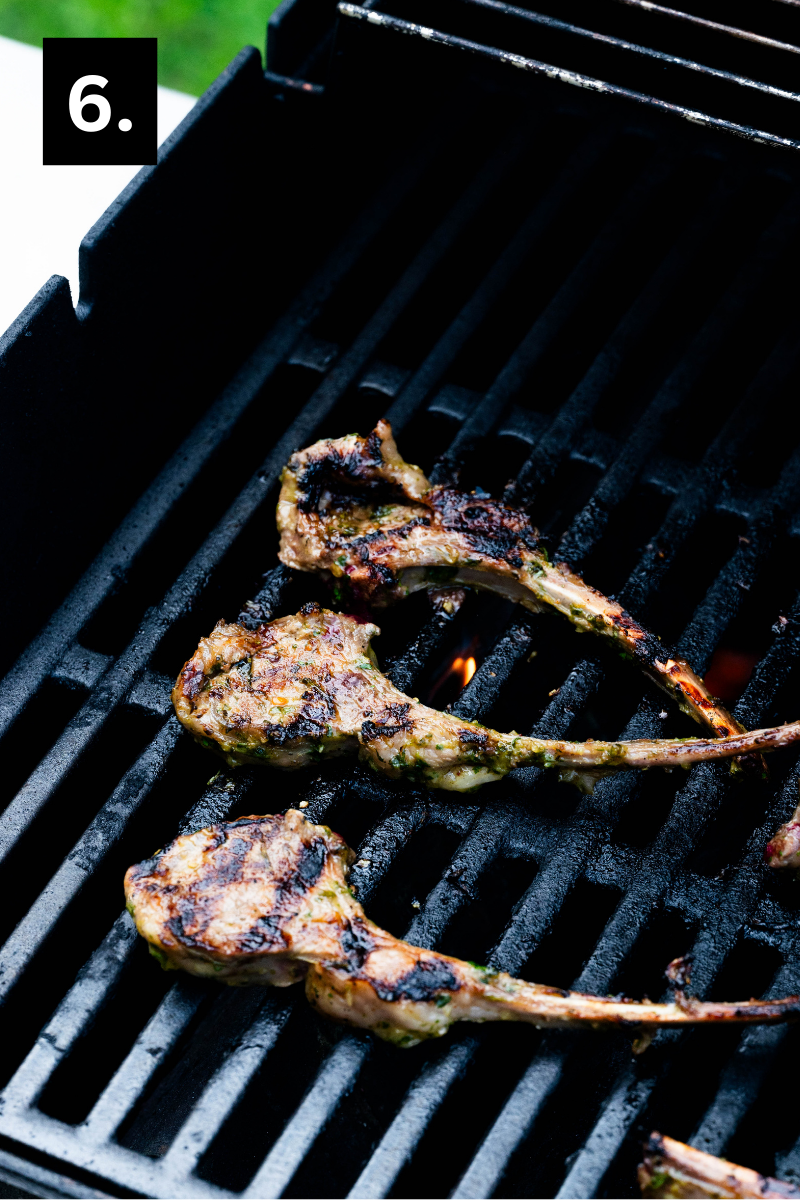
{"type": "Point", "coordinates": [577, 301]}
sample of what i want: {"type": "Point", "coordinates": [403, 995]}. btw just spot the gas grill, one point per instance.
{"type": "Point", "coordinates": [579, 301]}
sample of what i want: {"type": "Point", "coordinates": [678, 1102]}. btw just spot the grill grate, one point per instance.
{"type": "Point", "coordinates": [615, 54]}
{"type": "Point", "coordinates": [611, 300]}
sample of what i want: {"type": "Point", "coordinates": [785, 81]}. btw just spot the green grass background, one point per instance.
{"type": "Point", "coordinates": [196, 38]}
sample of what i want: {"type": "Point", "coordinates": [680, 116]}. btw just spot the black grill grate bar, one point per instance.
{"type": "Point", "coordinates": [96, 980]}
{"type": "Point", "coordinates": [75, 1012]}
{"type": "Point", "coordinates": [479, 695]}
{"type": "Point", "coordinates": [225, 790]}
{"type": "Point", "coordinates": [225, 1090]}
{"type": "Point", "coordinates": [623, 1106]}
{"type": "Point", "coordinates": [267, 602]}
{"type": "Point", "coordinates": [788, 1165]}
{"type": "Point", "coordinates": [385, 841]}
{"type": "Point", "coordinates": [755, 408]}
{"type": "Point", "coordinates": [133, 1172]}
{"type": "Point", "coordinates": [570, 179]}
{"type": "Point", "coordinates": [397, 1144]}
{"type": "Point", "coordinates": [742, 1077]}
{"type": "Point", "coordinates": [709, 953]}
{"type": "Point", "coordinates": [621, 1110]}
{"type": "Point", "coordinates": [741, 892]}
{"type": "Point", "coordinates": [692, 19]}
{"type": "Point", "coordinates": [81, 666]}
{"type": "Point", "coordinates": [514, 1122]}
{"type": "Point", "coordinates": [573, 415]}
{"type": "Point", "coordinates": [631, 1092]}
{"type": "Point", "coordinates": [646, 51]}
{"type": "Point", "coordinates": [404, 671]}
{"type": "Point", "coordinates": [154, 1044]}
{"type": "Point", "coordinates": [573, 78]}
{"type": "Point", "coordinates": [595, 263]}
{"type": "Point", "coordinates": [118, 555]}
{"type": "Point", "coordinates": [336, 1078]}
{"type": "Point", "coordinates": [589, 526]}
{"type": "Point", "coordinates": [700, 798]}
{"type": "Point", "coordinates": [726, 594]}
{"type": "Point", "coordinates": [23, 1175]}
{"type": "Point", "coordinates": [90, 849]}
{"type": "Point", "coordinates": [557, 872]}
{"type": "Point", "coordinates": [116, 682]}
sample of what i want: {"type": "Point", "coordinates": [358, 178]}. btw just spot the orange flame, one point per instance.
{"type": "Point", "coordinates": [459, 670]}
{"type": "Point", "coordinates": [464, 668]}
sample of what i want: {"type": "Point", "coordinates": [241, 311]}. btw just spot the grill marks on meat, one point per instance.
{"type": "Point", "coordinates": [308, 686]}
{"type": "Point", "coordinates": [351, 507]}
{"type": "Point", "coordinates": [670, 1168]}
{"type": "Point", "coordinates": [265, 900]}
{"type": "Point", "coordinates": [220, 902]}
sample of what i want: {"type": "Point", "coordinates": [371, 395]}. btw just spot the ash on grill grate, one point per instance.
{"type": "Point", "coordinates": [593, 315]}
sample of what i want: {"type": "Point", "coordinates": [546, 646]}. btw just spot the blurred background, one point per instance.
{"type": "Point", "coordinates": [196, 38]}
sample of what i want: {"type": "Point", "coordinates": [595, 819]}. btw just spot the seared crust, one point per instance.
{"type": "Point", "coordinates": [308, 686]}
{"type": "Point", "coordinates": [352, 508]}
{"type": "Point", "coordinates": [233, 900]}
{"type": "Point", "coordinates": [672, 1169]}
{"type": "Point", "coordinates": [265, 900]}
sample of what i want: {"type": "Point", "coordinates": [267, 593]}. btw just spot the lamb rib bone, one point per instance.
{"type": "Point", "coordinates": [264, 900]}
{"type": "Point", "coordinates": [308, 686]}
{"type": "Point", "coordinates": [783, 850]}
{"type": "Point", "coordinates": [352, 508]}
{"type": "Point", "coordinates": [673, 1169]}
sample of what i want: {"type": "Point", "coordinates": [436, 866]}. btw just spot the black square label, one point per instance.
{"type": "Point", "coordinates": [99, 101]}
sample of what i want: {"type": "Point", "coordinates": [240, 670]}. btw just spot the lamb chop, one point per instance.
{"type": "Point", "coordinates": [784, 848]}
{"type": "Point", "coordinates": [308, 686]}
{"type": "Point", "coordinates": [265, 900]}
{"type": "Point", "coordinates": [351, 508]}
{"type": "Point", "coordinates": [670, 1168]}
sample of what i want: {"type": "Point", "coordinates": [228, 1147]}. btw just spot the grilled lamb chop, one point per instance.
{"type": "Point", "coordinates": [351, 507]}
{"type": "Point", "coordinates": [265, 900]}
{"type": "Point", "coordinates": [308, 686]}
{"type": "Point", "coordinates": [784, 848]}
{"type": "Point", "coordinates": [672, 1169]}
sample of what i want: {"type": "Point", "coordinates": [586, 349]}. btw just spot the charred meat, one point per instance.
{"type": "Point", "coordinates": [306, 687]}
{"type": "Point", "coordinates": [265, 900]}
{"type": "Point", "coordinates": [353, 509]}
{"type": "Point", "coordinates": [670, 1168]}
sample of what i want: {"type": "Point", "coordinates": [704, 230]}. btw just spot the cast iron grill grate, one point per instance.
{"type": "Point", "coordinates": [592, 319]}
{"type": "Point", "coordinates": [723, 67]}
